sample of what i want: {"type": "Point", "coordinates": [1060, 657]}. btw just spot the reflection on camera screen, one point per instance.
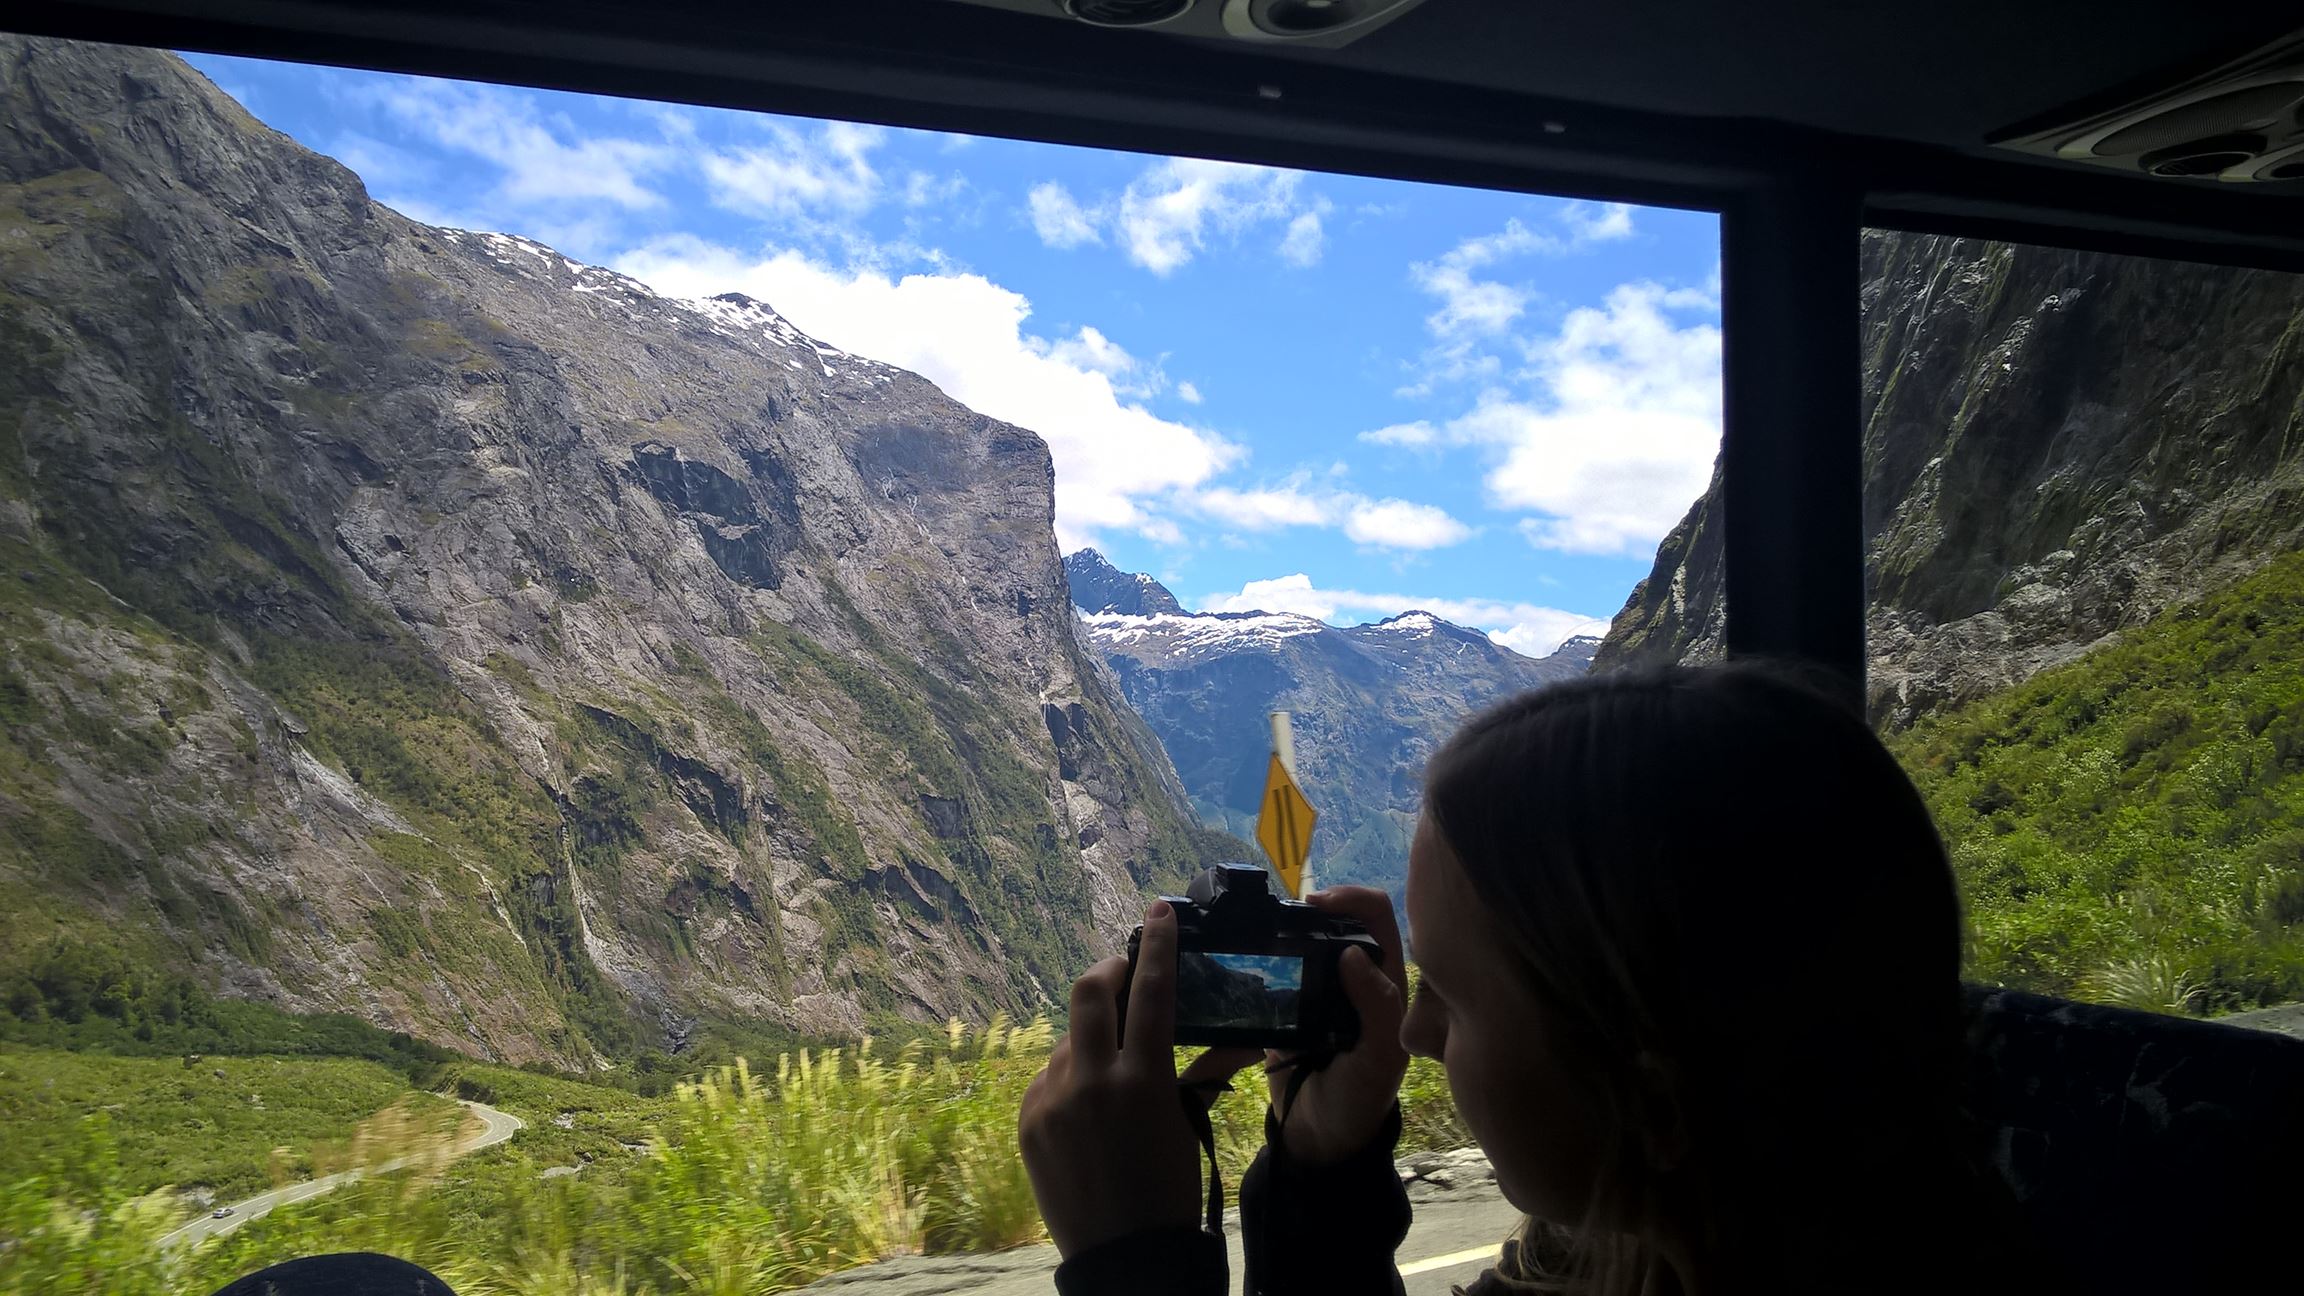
{"type": "Point", "coordinates": [1255, 991]}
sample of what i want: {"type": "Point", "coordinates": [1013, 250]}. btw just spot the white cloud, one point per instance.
{"type": "Point", "coordinates": [1282, 594]}
{"type": "Point", "coordinates": [1399, 524]}
{"type": "Point", "coordinates": [677, 121]}
{"type": "Point", "coordinates": [1058, 218]}
{"type": "Point", "coordinates": [1523, 627]}
{"type": "Point", "coordinates": [1090, 349]}
{"type": "Point", "coordinates": [1418, 433]}
{"type": "Point", "coordinates": [1300, 502]}
{"type": "Point", "coordinates": [1266, 508]}
{"type": "Point", "coordinates": [1177, 207]}
{"type": "Point", "coordinates": [924, 189]}
{"type": "Point", "coordinates": [1167, 213]}
{"type": "Point", "coordinates": [1188, 393]}
{"type": "Point", "coordinates": [798, 172]}
{"type": "Point", "coordinates": [1476, 306]}
{"type": "Point", "coordinates": [1471, 304]}
{"type": "Point", "coordinates": [1302, 244]}
{"type": "Point", "coordinates": [1603, 430]}
{"type": "Point", "coordinates": [1620, 432]}
{"type": "Point", "coordinates": [1131, 376]}
{"type": "Point", "coordinates": [1114, 460]}
{"type": "Point", "coordinates": [1589, 224]}
{"type": "Point", "coordinates": [542, 159]}
{"type": "Point", "coordinates": [1160, 530]}
{"type": "Point", "coordinates": [1468, 305]}
{"type": "Point", "coordinates": [1629, 434]}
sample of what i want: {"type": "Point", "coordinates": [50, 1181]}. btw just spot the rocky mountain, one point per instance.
{"type": "Point", "coordinates": [1371, 702]}
{"type": "Point", "coordinates": [417, 623]}
{"type": "Point", "coordinates": [2058, 446]}
{"type": "Point", "coordinates": [1098, 586]}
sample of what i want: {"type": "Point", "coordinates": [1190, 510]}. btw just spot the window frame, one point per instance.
{"type": "Point", "coordinates": [1792, 201]}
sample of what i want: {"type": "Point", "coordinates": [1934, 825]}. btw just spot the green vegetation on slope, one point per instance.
{"type": "Point", "coordinates": [192, 1121]}
{"type": "Point", "coordinates": [947, 744]}
{"type": "Point", "coordinates": [2130, 827]}
{"type": "Point", "coordinates": [397, 725]}
{"type": "Point", "coordinates": [751, 1181]}
{"type": "Point", "coordinates": [84, 996]}
{"type": "Point", "coordinates": [368, 702]}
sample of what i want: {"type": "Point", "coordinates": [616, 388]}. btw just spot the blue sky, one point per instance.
{"type": "Point", "coordinates": [1272, 389]}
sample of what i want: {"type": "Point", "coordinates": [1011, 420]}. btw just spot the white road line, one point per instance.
{"type": "Point", "coordinates": [1449, 1261]}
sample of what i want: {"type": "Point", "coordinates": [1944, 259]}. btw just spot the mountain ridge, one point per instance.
{"type": "Point", "coordinates": [422, 624]}
{"type": "Point", "coordinates": [1095, 585]}
{"type": "Point", "coordinates": [1369, 704]}
{"type": "Point", "coordinates": [2059, 445]}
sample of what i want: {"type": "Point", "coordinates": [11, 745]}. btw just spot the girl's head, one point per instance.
{"type": "Point", "coordinates": [1690, 952]}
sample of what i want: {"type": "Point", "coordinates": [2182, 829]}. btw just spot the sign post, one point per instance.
{"type": "Point", "coordinates": [1285, 819]}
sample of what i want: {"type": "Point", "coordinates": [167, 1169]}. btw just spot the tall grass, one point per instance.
{"type": "Point", "coordinates": [751, 1181]}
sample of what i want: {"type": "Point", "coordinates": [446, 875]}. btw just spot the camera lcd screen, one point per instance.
{"type": "Point", "coordinates": [1238, 991]}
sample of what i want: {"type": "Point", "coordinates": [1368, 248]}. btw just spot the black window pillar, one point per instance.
{"type": "Point", "coordinates": [1791, 441]}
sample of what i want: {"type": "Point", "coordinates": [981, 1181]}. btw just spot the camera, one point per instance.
{"type": "Point", "coordinates": [1258, 970]}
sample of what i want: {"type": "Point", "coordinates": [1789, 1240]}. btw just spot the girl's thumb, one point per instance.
{"type": "Point", "coordinates": [1366, 986]}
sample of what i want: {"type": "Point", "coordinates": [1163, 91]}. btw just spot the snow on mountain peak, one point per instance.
{"type": "Point", "coordinates": [1414, 625]}
{"type": "Point", "coordinates": [733, 315]}
{"type": "Point", "coordinates": [1199, 632]}
{"type": "Point", "coordinates": [739, 316]}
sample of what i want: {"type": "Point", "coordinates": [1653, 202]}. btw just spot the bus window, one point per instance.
{"type": "Point", "coordinates": [2086, 608]}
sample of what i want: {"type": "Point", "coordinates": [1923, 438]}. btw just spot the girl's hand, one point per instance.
{"type": "Point", "coordinates": [1339, 1109]}
{"type": "Point", "coordinates": [1103, 1133]}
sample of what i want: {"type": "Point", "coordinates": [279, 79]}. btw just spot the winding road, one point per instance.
{"type": "Point", "coordinates": [499, 1127]}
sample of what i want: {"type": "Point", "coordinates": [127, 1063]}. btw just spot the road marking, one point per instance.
{"type": "Point", "coordinates": [1449, 1261]}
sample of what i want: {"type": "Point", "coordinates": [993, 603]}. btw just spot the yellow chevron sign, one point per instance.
{"type": "Point", "coordinates": [1284, 827]}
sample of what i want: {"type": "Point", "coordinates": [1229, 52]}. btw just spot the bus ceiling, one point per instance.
{"type": "Point", "coordinates": [1939, 116]}
{"type": "Point", "coordinates": [2153, 129]}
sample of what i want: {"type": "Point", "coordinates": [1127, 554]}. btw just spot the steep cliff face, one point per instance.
{"type": "Point", "coordinates": [418, 623]}
{"type": "Point", "coordinates": [1678, 613]}
{"type": "Point", "coordinates": [1098, 586]}
{"type": "Point", "coordinates": [2058, 445]}
{"type": "Point", "coordinates": [1370, 704]}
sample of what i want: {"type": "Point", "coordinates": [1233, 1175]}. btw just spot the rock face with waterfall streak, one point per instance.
{"type": "Point", "coordinates": [419, 623]}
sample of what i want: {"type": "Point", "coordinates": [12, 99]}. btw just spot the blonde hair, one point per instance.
{"type": "Point", "coordinates": [1739, 916]}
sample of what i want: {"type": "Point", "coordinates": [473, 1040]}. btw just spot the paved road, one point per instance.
{"type": "Point", "coordinates": [1453, 1238]}
{"type": "Point", "coordinates": [499, 1126]}
{"type": "Point", "coordinates": [2287, 1019]}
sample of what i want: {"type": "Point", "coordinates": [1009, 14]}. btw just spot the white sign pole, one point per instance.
{"type": "Point", "coordinates": [1284, 746]}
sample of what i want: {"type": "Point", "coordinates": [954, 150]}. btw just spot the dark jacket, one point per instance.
{"type": "Point", "coordinates": [1326, 1230]}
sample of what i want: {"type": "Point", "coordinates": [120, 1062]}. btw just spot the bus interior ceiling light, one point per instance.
{"type": "Point", "coordinates": [2242, 123]}
{"type": "Point", "coordinates": [1319, 24]}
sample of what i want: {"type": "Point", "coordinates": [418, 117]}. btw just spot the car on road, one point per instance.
{"type": "Point", "coordinates": [221, 1212]}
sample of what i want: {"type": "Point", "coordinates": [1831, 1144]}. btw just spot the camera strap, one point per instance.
{"type": "Point", "coordinates": [1200, 1098]}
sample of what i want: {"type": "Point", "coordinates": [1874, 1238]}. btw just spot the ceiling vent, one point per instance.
{"type": "Point", "coordinates": [2242, 123]}
{"type": "Point", "coordinates": [1319, 24]}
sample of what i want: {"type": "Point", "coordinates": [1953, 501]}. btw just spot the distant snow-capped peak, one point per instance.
{"type": "Point", "coordinates": [1191, 631]}
{"type": "Point", "coordinates": [732, 315]}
